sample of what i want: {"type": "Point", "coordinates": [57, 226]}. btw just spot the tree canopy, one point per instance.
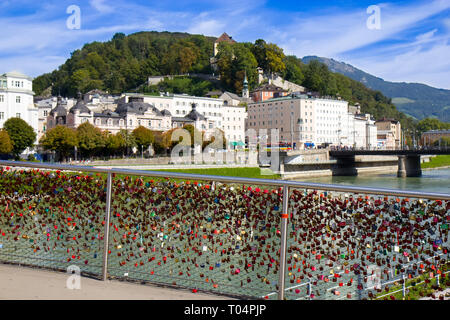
{"type": "Point", "coordinates": [6, 145]}
{"type": "Point", "coordinates": [21, 133]}
{"type": "Point", "coordinates": [60, 139]}
{"type": "Point", "coordinates": [143, 137]}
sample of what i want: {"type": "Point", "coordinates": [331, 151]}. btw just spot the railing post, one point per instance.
{"type": "Point", "coordinates": [107, 219]}
{"type": "Point", "coordinates": [284, 222]}
{"type": "Point", "coordinates": [360, 289]}
{"type": "Point", "coordinates": [309, 290]}
{"type": "Point", "coordinates": [404, 286]}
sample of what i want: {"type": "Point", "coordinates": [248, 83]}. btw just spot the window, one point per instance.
{"type": "Point", "coordinates": [2, 98]}
{"type": "Point", "coordinates": [17, 115]}
{"type": "Point", "coordinates": [17, 99]}
{"type": "Point", "coordinates": [2, 115]}
{"type": "Point", "coordinates": [45, 113]}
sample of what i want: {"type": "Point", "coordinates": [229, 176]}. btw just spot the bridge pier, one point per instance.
{"type": "Point", "coordinates": [409, 166]}
{"type": "Point", "coordinates": [345, 166]}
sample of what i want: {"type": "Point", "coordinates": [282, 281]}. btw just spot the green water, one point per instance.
{"type": "Point", "coordinates": [436, 180]}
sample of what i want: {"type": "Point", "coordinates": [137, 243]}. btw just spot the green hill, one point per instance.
{"type": "Point", "coordinates": [125, 62]}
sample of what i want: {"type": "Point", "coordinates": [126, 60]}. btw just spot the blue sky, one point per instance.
{"type": "Point", "coordinates": [412, 44]}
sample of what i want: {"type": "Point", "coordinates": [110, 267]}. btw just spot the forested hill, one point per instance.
{"type": "Point", "coordinates": [125, 62]}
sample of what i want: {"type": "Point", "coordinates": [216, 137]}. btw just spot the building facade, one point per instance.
{"type": "Point", "coordinates": [390, 131]}
{"type": "Point", "coordinates": [229, 118]}
{"type": "Point", "coordinates": [157, 113]}
{"type": "Point", "coordinates": [306, 121]}
{"type": "Point", "coordinates": [16, 99]}
{"type": "Point", "coordinates": [430, 137]}
{"type": "Point", "coordinates": [267, 91]}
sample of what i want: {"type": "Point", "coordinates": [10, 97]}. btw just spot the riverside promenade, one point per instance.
{"type": "Point", "coordinates": [24, 283]}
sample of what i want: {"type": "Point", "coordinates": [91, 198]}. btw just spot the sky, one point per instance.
{"type": "Point", "coordinates": [402, 41]}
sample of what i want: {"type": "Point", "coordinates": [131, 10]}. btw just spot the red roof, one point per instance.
{"type": "Point", "coordinates": [225, 38]}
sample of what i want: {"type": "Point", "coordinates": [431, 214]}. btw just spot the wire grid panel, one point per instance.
{"type": "Point", "coordinates": [345, 243]}
{"type": "Point", "coordinates": [52, 219]}
{"type": "Point", "coordinates": [212, 237]}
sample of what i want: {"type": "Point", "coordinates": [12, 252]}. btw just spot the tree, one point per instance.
{"type": "Point", "coordinates": [213, 144]}
{"type": "Point", "coordinates": [234, 61]}
{"type": "Point", "coordinates": [60, 139]}
{"type": "Point", "coordinates": [90, 139]}
{"type": "Point", "coordinates": [6, 145]}
{"type": "Point", "coordinates": [431, 124]}
{"type": "Point", "coordinates": [114, 143]}
{"type": "Point", "coordinates": [293, 71]}
{"type": "Point", "coordinates": [160, 143]}
{"type": "Point", "coordinates": [274, 58]}
{"type": "Point", "coordinates": [180, 58]}
{"type": "Point", "coordinates": [21, 133]}
{"type": "Point", "coordinates": [143, 137]}
{"type": "Point", "coordinates": [127, 141]}
{"type": "Point", "coordinates": [259, 52]}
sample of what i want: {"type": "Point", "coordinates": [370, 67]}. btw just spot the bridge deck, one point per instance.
{"type": "Point", "coordinates": [334, 153]}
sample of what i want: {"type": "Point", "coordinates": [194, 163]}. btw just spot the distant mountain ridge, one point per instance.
{"type": "Point", "coordinates": [415, 99]}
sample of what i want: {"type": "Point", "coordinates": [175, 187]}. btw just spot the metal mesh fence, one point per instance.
{"type": "Point", "coordinates": [347, 246]}
{"type": "Point", "coordinates": [222, 238]}
{"type": "Point", "coordinates": [51, 219]}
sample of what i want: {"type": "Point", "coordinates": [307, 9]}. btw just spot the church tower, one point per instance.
{"type": "Point", "coordinates": [245, 92]}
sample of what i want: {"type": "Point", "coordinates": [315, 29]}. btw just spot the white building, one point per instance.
{"type": "Point", "coordinates": [44, 107]}
{"type": "Point", "coordinates": [309, 121]}
{"type": "Point", "coordinates": [229, 118]}
{"type": "Point", "coordinates": [16, 99]}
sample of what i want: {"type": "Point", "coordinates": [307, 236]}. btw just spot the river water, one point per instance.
{"type": "Point", "coordinates": [435, 180]}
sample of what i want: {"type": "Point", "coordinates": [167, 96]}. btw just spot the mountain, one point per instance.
{"type": "Point", "coordinates": [414, 99]}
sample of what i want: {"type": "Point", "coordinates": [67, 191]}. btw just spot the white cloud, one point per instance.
{"type": "Point", "coordinates": [207, 27]}
{"type": "Point", "coordinates": [32, 65]}
{"type": "Point", "coordinates": [424, 37]}
{"type": "Point", "coordinates": [101, 7]}
{"type": "Point", "coordinates": [420, 65]}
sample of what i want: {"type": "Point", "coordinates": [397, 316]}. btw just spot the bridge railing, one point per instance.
{"type": "Point", "coordinates": [256, 238]}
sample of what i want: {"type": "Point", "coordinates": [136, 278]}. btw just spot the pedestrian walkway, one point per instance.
{"type": "Point", "coordinates": [23, 283]}
{"type": "Point", "coordinates": [445, 293]}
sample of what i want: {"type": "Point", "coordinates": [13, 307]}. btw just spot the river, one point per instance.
{"type": "Point", "coordinates": [435, 180]}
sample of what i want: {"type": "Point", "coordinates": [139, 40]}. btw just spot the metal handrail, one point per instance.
{"type": "Point", "coordinates": [239, 180]}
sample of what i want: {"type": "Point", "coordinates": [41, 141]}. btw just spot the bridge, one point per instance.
{"type": "Point", "coordinates": [408, 160]}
